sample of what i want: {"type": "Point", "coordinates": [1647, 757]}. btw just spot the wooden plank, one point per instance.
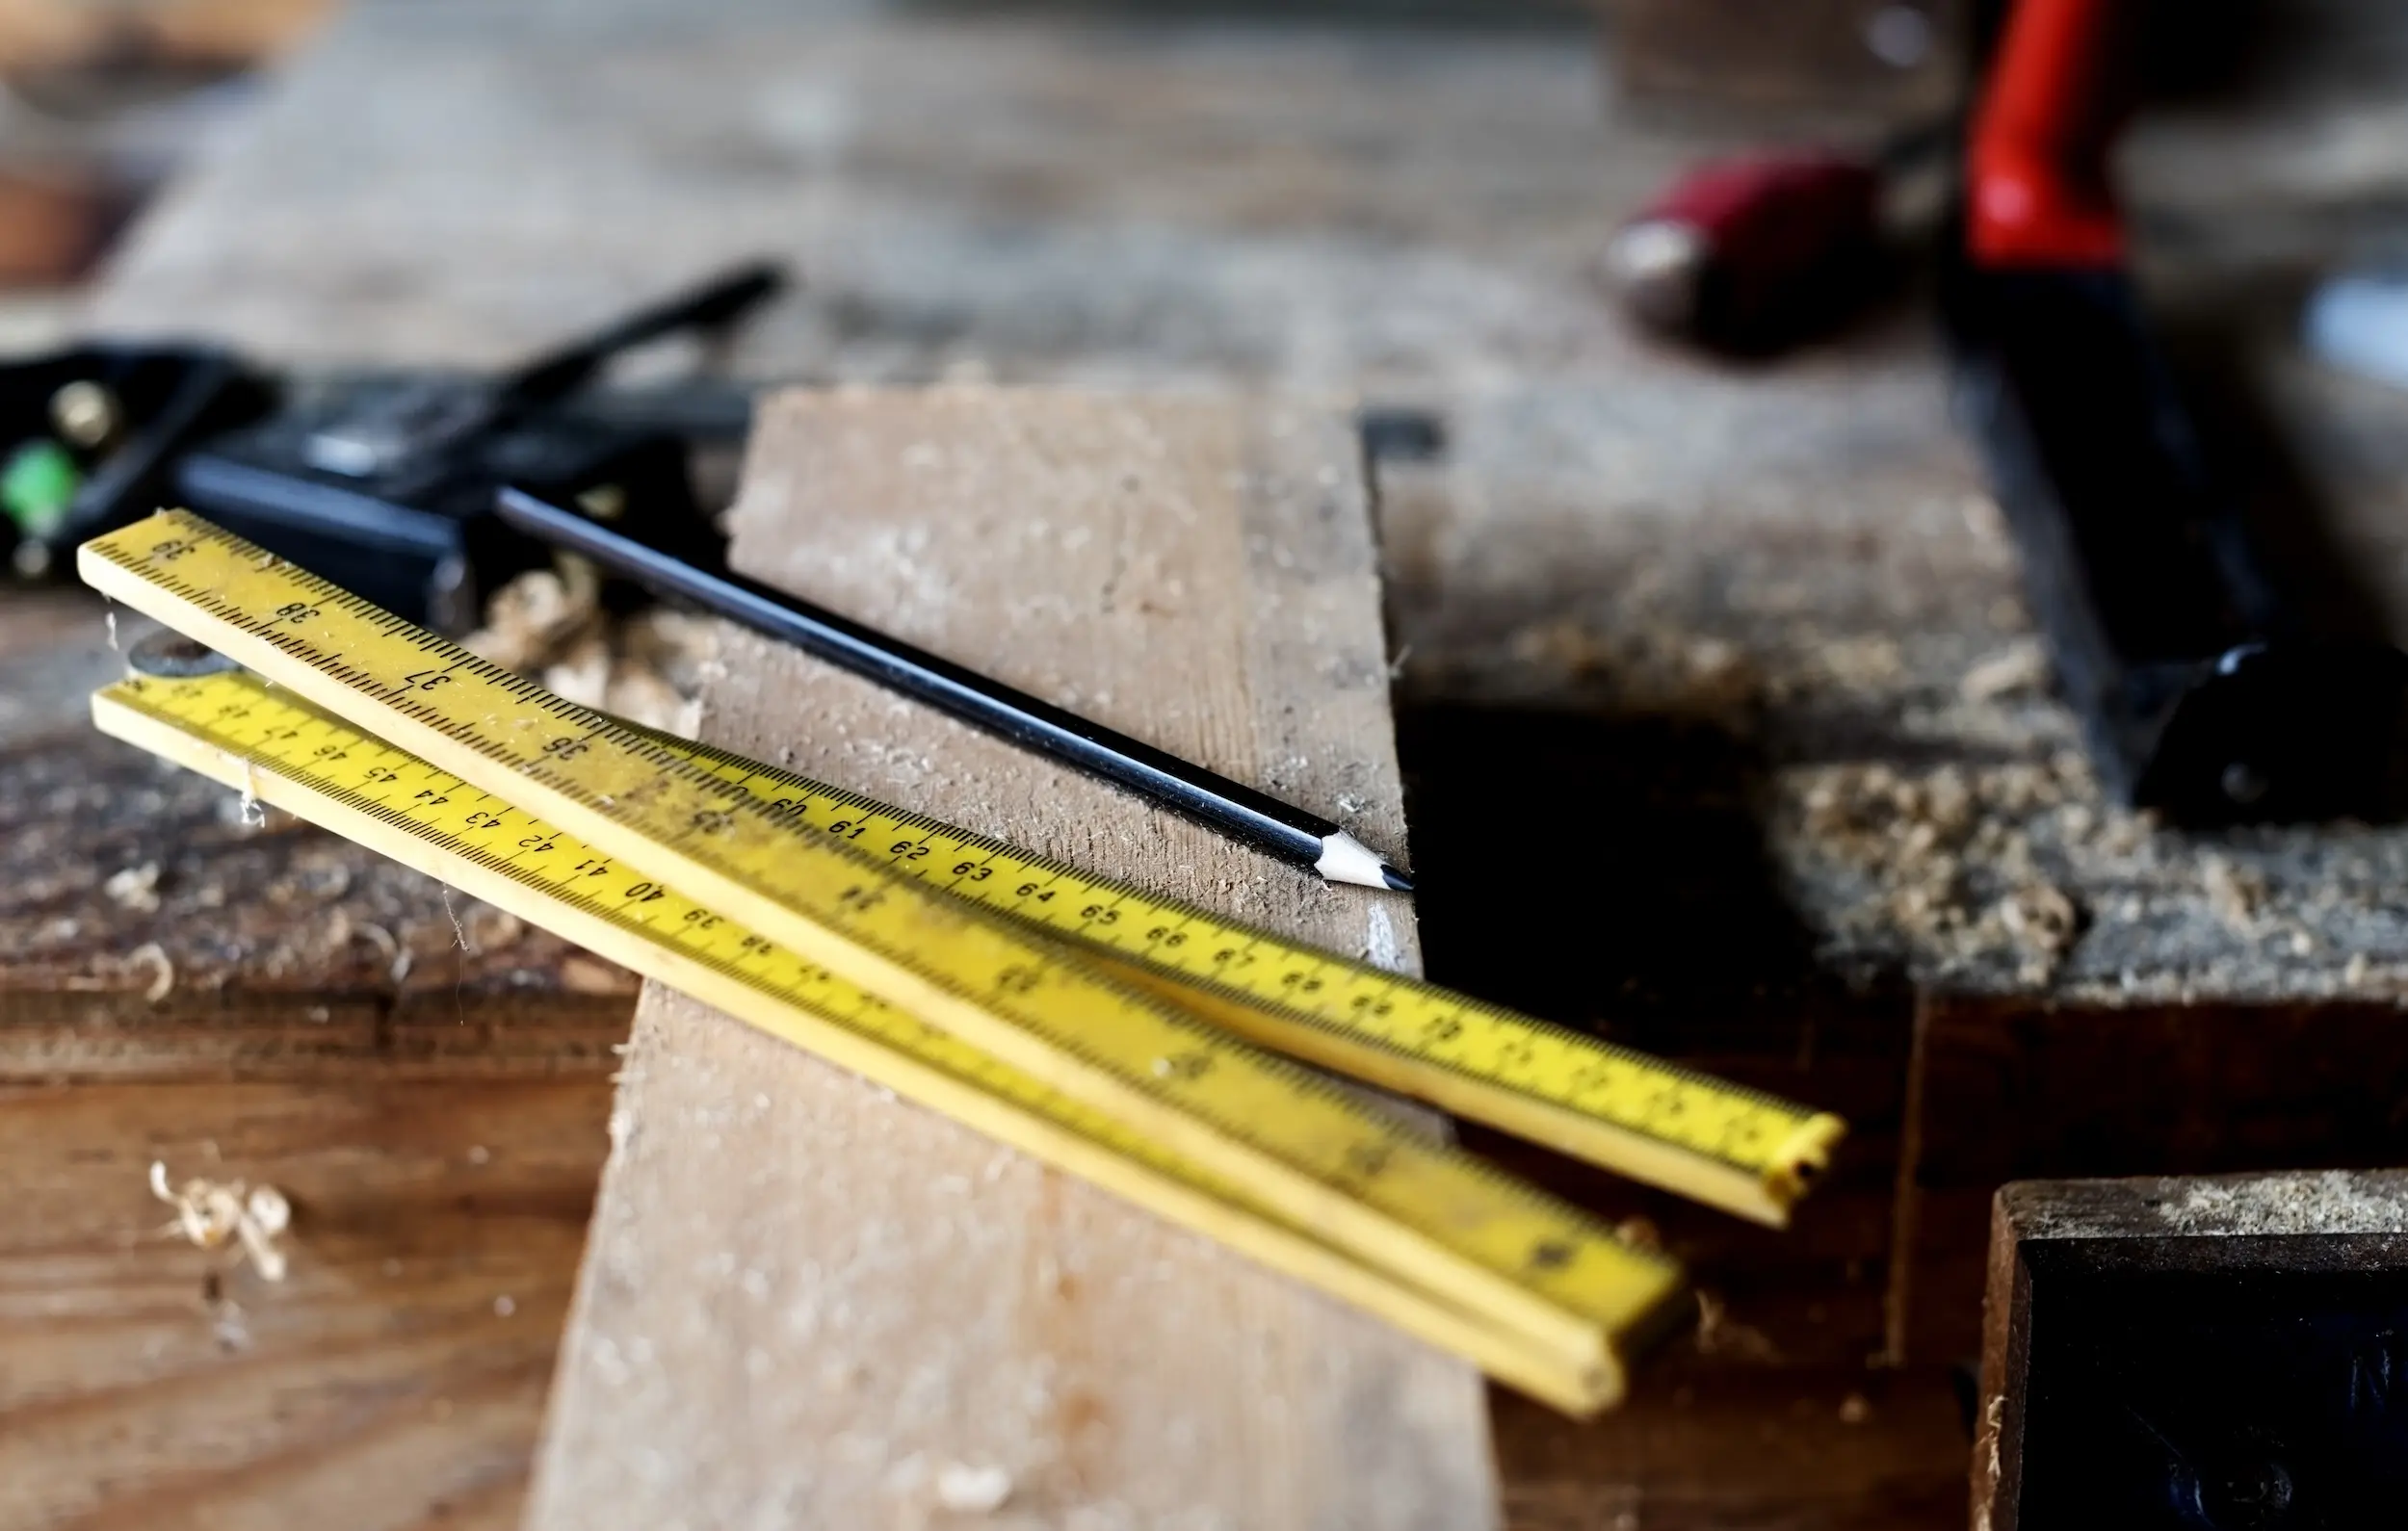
{"type": "Point", "coordinates": [805, 1300]}
{"type": "Point", "coordinates": [393, 1379]}
{"type": "Point", "coordinates": [2014, 1090]}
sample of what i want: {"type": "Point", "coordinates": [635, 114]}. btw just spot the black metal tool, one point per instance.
{"type": "Point", "coordinates": [2207, 690]}
{"type": "Point", "coordinates": [1231, 807]}
{"type": "Point", "coordinates": [91, 434]}
{"type": "Point", "coordinates": [2210, 688]}
{"type": "Point", "coordinates": [383, 482]}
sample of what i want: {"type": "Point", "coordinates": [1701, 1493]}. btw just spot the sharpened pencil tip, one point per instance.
{"type": "Point", "coordinates": [1346, 859]}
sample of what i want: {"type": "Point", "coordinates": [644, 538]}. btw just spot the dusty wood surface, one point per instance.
{"type": "Point", "coordinates": [2228, 1225]}
{"type": "Point", "coordinates": [150, 929]}
{"type": "Point", "coordinates": [879, 1297]}
{"type": "Point", "coordinates": [395, 1379]}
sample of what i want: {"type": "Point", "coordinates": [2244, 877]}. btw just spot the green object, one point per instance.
{"type": "Point", "coordinates": [37, 485]}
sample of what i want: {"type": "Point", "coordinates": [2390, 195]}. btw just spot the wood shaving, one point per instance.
{"type": "Point", "coordinates": [221, 1214]}
{"type": "Point", "coordinates": [136, 888]}
{"type": "Point", "coordinates": [2021, 668]}
{"type": "Point", "coordinates": [549, 624]}
{"type": "Point", "coordinates": [151, 954]}
{"type": "Point", "coordinates": [966, 1490]}
{"type": "Point", "coordinates": [535, 615]}
{"type": "Point", "coordinates": [582, 673]}
{"type": "Point", "coordinates": [2236, 894]}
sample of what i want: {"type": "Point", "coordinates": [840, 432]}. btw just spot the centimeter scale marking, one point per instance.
{"type": "Point", "coordinates": [1318, 1157]}
{"type": "Point", "coordinates": [1743, 1151]}
{"type": "Point", "coordinates": [233, 728]}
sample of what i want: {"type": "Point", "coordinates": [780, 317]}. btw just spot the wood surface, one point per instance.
{"type": "Point", "coordinates": [150, 929]}
{"type": "Point", "coordinates": [1800, 552]}
{"type": "Point", "coordinates": [809, 1302]}
{"type": "Point", "coordinates": [1758, 56]}
{"type": "Point", "coordinates": [2016, 1091]}
{"type": "Point", "coordinates": [395, 1379]}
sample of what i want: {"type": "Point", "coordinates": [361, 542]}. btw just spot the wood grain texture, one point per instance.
{"type": "Point", "coordinates": [805, 1301]}
{"type": "Point", "coordinates": [151, 929]}
{"type": "Point", "coordinates": [394, 1380]}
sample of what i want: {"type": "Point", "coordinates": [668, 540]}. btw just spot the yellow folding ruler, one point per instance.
{"type": "Point", "coordinates": [1093, 1026]}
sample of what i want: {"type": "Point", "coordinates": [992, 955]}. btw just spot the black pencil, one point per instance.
{"type": "Point", "coordinates": [1233, 808]}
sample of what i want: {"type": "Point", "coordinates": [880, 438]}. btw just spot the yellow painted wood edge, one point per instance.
{"type": "Point", "coordinates": [1508, 1355]}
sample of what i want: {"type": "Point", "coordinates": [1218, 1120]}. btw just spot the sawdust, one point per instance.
{"type": "Point", "coordinates": [2331, 1201]}
{"type": "Point", "coordinates": [2021, 668]}
{"type": "Point", "coordinates": [1650, 666]}
{"type": "Point", "coordinates": [1988, 858]}
{"type": "Point", "coordinates": [228, 1214]}
{"type": "Point", "coordinates": [1942, 859]}
{"type": "Point", "coordinates": [136, 888]}
{"type": "Point", "coordinates": [648, 668]}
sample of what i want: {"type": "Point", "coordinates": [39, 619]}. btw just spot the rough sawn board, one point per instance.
{"type": "Point", "coordinates": [805, 1303]}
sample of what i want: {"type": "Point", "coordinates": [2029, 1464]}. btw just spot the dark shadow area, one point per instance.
{"type": "Point", "coordinates": [2217, 352]}
{"type": "Point", "coordinates": [1603, 872]}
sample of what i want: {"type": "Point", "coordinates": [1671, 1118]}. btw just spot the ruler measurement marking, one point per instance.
{"type": "Point", "coordinates": [1360, 1006]}
{"type": "Point", "coordinates": [1340, 1148]}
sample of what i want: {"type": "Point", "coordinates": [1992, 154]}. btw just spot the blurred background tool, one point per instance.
{"type": "Point", "coordinates": [2209, 686]}
{"type": "Point", "coordinates": [1755, 252]}
{"type": "Point", "coordinates": [94, 434]}
{"type": "Point", "coordinates": [384, 480]}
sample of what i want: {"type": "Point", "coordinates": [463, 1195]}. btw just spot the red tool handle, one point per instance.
{"type": "Point", "coordinates": [2036, 162]}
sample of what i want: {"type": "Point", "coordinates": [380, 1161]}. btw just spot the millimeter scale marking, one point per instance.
{"type": "Point", "coordinates": [1322, 1159]}
{"type": "Point", "coordinates": [234, 729]}
{"type": "Point", "coordinates": [1741, 1150]}
{"type": "Point", "coordinates": [1744, 1150]}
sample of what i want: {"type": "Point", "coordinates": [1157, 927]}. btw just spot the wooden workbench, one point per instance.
{"type": "Point", "coordinates": [1721, 621]}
